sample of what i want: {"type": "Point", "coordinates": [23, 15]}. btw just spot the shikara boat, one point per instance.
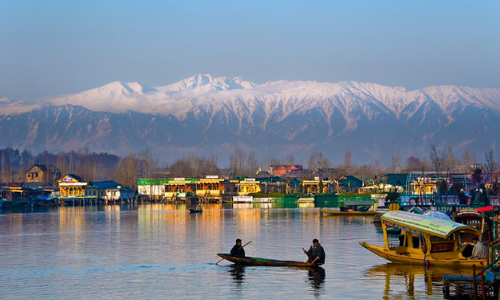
{"type": "Point", "coordinates": [257, 261]}
{"type": "Point", "coordinates": [352, 208]}
{"type": "Point", "coordinates": [425, 240]}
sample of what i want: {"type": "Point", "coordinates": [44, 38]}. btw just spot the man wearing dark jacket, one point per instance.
{"type": "Point", "coordinates": [316, 253]}
{"type": "Point", "coordinates": [238, 250]}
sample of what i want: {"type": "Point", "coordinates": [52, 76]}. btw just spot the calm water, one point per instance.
{"type": "Point", "coordinates": [161, 251]}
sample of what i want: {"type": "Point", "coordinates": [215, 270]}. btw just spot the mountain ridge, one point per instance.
{"type": "Point", "coordinates": [213, 114]}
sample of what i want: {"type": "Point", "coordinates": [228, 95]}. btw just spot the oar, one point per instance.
{"type": "Point", "coordinates": [223, 257]}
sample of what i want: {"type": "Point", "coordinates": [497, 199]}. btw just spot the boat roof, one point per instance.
{"type": "Point", "coordinates": [425, 224]}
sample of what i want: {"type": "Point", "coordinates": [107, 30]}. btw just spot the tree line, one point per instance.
{"type": "Point", "coordinates": [93, 166]}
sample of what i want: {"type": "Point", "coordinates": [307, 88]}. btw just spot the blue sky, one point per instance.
{"type": "Point", "coordinates": [57, 47]}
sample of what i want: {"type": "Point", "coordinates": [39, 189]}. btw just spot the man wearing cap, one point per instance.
{"type": "Point", "coordinates": [316, 253]}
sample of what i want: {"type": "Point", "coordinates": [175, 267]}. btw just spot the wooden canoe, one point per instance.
{"type": "Point", "coordinates": [256, 261]}
{"type": "Point", "coordinates": [348, 213]}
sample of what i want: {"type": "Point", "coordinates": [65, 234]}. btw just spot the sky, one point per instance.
{"type": "Point", "coordinates": [53, 47]}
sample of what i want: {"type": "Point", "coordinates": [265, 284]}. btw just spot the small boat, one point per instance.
{"type": "Point", "coordinates": [426, 240]}
{"type": "Point", "coordinates": [257, 261]}
{"type": "Point", "coordinates": [195, 211]}
{"type": "Point", "coordinates": [352, 208]}
{"type": "Point", "coordinates": [305, 200]}
{"type": "Point", "coordinates": [46, 201]}
{"type": "Point", "coordinates": [348, 212]}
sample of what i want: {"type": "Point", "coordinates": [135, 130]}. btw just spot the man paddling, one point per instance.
{"type": "Point", "coordinates": [316, 253]}
{"type": "Point", "coordinates": [238, 250]}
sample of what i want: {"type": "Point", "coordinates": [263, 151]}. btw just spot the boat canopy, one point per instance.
{"type": "Point", "coordinates": [424, 224]}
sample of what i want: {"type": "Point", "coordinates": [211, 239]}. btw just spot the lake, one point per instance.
{"type": "Point", "coordinates": [161, 251]}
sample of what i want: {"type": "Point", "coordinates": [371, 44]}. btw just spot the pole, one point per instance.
{"type": "Point", "coordinates": [482, 285]}
{"type": "Point", "coordinates": [474, 282]}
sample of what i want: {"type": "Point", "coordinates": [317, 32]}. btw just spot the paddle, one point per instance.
{"type": "Point", "coordinates": [309, 257]}
{"type": "Point", "coordinates": [223, 258]}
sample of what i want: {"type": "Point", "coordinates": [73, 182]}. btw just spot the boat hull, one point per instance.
{"type": "Point", "coordinates": [348, 213]}
{"type": "Point", "coordinates": [415, 258]}
{"type": "Point", "coordinates": [256, 261]}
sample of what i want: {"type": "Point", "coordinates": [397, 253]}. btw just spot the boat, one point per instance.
{"type": "Point", "coordinates": [257, 261]}
{"type": "Point", "coordinates": [305, 200]}
{"type": "Point", "coordinates": [195, 211]}
{"type": "Point", "coordinates": [348, 212]}
{"type": "Point", "coordinates": [352, 208]}
{"type": "Point", "coordinates": [426, 240]}
{"type": "Point", "coordinates": [478, 219]}
{"type": "Point", "coordinates": [46, 201]}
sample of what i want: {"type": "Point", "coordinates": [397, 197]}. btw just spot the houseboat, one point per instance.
{"type": "Point", "coordinates": [425, 240]}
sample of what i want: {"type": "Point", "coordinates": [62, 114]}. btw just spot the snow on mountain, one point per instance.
{"type": "Point", "coordinates": [214, 112]}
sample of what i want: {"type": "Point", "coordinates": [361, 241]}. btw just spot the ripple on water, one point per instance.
{"type": "Point", "coordinates": [158, 251]}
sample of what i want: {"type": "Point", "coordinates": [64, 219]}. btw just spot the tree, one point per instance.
{"type": "Point", "coordinates": [450, 160]}
{"type": "Point", "coordinates": [289, 160]}
{"type": "Point", "coordinates": [414, 164]}
{"type": "Point", "coordinates": [438, 158]}
{"type": "Point", "coordinates": [490, 163]}
{"type": "Point", "coordinates": [252, 164]}
{"type": "Point", "coordinates": [318, 161]}
{"type": "Point", "coordinates": [347, 160]}
{"type": "Point", "coordinates": [466, 161]}
{"type": "Point", "coordinates": [237, 161]}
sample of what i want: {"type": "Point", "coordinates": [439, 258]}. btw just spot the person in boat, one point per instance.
{"type": "Point", "coordinates": [316, 253]}
{"type": "Point", "coordinates": [480, 250]}
{"type": "Point", "coordinates": [238, 250]}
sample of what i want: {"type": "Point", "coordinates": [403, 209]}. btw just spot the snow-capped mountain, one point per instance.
{"type": "Point", "coordinates": [204, 114]}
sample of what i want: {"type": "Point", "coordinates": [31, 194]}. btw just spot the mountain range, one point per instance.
{"type": "Point", "coordinates": [206, 115]}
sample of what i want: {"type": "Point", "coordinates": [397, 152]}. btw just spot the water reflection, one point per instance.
{"type": "Point", "coordinates": [135, 251]}
{"type": "Point", "coordinates": [408, 280]}
{"type": "Point", "coordinates": [238, 274]}
{"type": "Point", "coordinates": [317, 277]}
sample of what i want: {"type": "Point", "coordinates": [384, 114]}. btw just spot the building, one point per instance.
{"type": "Point", "coordinates": [210, 187]}
{"type": "Point", "coordinates": [289, 170]}
{"type": "Point", "coordinates": [152, 188]}
{"type": "Point", "coordinates": [42, 173]}
{"type": "Point", "coordinates": [248, 186]}
{"type": "Point", "coordinates": [109, 191]}
{"type": "Point", "coordinates": [315, 186]}
{"type": "Point", "coordinates": [179, 188]}
{"type": "Point", "coordinates": [72, 186]}
{"type": "Point", "coordinates": [350, 183]}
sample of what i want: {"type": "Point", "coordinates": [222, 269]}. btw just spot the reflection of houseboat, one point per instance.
{"type": "Point", "coordinates": [412, 276]}
{"type": "Point", "coordinates": [426, 240]}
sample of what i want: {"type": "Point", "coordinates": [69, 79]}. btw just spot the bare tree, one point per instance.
{"type": "Point", "coordinates": [490, 163]}
{"type": "Point", "coordinates": [438, 158]}
{"type": "Point", "coordinates": [252, 164]}
{"type": "Point", "coordinates": [237, 161]}
{"type": "Point", "coordinates": [347, 160]}
{"type": "Point", "coordinates": [414, 164]}
{"type": "Point", "coordinates": [289, 160]}
{"type": "Point", "coordinates": [318, 161]}
{"type": "Point", "coordinates": [450, 160]}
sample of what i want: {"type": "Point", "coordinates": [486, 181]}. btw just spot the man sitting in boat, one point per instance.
{"type": "Point", "coordinates": [316, 253]}
{"type": "Point", "coordinates": [238, 250]}
{"type": "Point", "coordinates": [480, 250]}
